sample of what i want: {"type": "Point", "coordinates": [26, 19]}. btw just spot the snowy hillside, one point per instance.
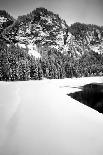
{"type": "Point", "coordinates": [38, 118]}
{"type": "Point", "coordinates": [42, 30]}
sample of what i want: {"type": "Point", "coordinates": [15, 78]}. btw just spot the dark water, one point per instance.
{"type": "Point", "coordinates": [90, 95]}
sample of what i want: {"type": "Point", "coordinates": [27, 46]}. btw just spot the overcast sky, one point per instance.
{"type": "Point", "coordinates": [85, 11]}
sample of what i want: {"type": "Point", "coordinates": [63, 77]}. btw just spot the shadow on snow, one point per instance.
{"type": "Point", "coordinates": [90, 95]}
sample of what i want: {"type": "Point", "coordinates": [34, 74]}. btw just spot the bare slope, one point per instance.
{"type": "Point", "coordinates": [38, 118]}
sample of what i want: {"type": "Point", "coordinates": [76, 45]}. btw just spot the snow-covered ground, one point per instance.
{"type": "Point", "coordinates": [38, 118]}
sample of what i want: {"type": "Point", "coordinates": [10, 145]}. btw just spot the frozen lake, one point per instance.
{"type": "Point", "coordinates": [38, 118]}
{"type": "Point", "coordinates": [90, 95]}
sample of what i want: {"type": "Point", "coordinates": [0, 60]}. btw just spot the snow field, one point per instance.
{"type": "Point", "coordinates": [37, 117]}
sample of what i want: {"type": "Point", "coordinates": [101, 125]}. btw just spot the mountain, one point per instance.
{"type": "Point", "coordinates": [5, 21]}
{"type": "Point", "coordinates": [88, 37]}
{"type": "Point", "coordinates": [39, 30]}
{"type": "Point", "coordinates": [41, 45]}
{"type": "Point", "coordinates": [42, 30]}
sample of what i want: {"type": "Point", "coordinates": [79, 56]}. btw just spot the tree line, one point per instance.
{"type": "Point", "coordinates": [16, 64]}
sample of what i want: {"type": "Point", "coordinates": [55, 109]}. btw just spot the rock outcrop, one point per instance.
{"type": "Point", "coordinates": [42, 30]}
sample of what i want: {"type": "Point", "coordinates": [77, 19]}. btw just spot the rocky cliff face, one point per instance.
{"type": "Point", "coordinates": [87, 37]}
{"type": "Point", "coordinates": [39, 30]}
{"type": "Point", "coordinates": [42, 30]}
{"type": "Point", "coordinates": [5, 21]}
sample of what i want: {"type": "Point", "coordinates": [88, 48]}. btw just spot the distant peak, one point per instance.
{"type": "Point", "coordinates": [5, 14]}
{"type": "Point", "coordinates": [41, 9]}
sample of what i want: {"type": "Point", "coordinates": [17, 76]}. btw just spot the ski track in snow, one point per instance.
{"type": "Point", "coordinates": [37, 117]}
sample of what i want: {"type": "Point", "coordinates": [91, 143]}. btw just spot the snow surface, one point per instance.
{"type": "Point", "coordinates": [38, 118]}
{"type": "Point", "coordinates": [32, 49]}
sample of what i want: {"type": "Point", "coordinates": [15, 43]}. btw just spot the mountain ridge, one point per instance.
{"type": "Point", "coordinates": [41, 45]}
{"type": "Point", "coordinates": [43, 29]}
